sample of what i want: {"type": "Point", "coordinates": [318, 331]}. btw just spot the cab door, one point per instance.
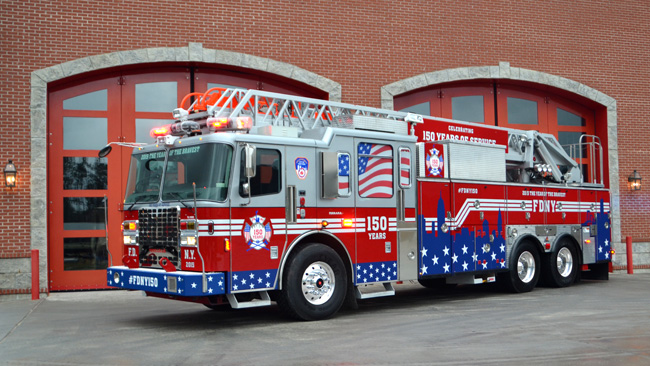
{"type": "Point", "coordinates": [258, 220]}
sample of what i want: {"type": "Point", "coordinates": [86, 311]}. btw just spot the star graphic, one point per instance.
{"type": "Point", "coordinates": [358, 276]}
{"type": "Point", "coordinates": [464, 248]}
{"type": "Point", "coordinates": [600, 249]}
{"type": "Point", "coordinates": [252, 286]}
{"type": "Point", "coordinates": [383, 265]}
{"type": "Point", "coordinates": [209, 290]}
{"type": "Point", "coordinates": [446, 267]}
{"type": "Point", "coordinates": [484, 265]}
{"type": "Point", "coordinates": [268, 285]}
{"type": "Point", "coordinates": [455, 258]}
{"type": "Point", "coordinates": [503, 248]}
{"type": "Point", "coordinates": [606, 255]}
{"type": "Point", "coordinates": [259, 280]}
{"type": "Point", "coordinates": [358, 267]}
{"type": "Point", "coordinates": [365, 271]}
{"type": "Point", "coordinates": [234, 277]}
{"type": "Point", "coordinates": [424, 252]}
{"type": "Point", "coordinates": [267, 275]}
{"type": "Point", "coordinates": [220, 283]}
{"type": "Point", "coordinates": [424, 269]}
{"type": "Point", "coordinates": [370, 266]}
{"type": "Point", "coordinates": [446, 250]}
{"type": "Point", "coordinates": [435, 259]}
{"type": "Point", "coordinates": [485, 248]}
{"type": "Point", "coordinates": [243, 282]}
{"type": "Point", "coordinates": [606, 242]}
{"type": "Point", "coordinates": [503, 264]}
{"type": "Point", "coordinates": [252, 276]}
{"type": "Point", "coordinates": [235, 287]}
{"type": "Point", "coordinates": [193, 284]}
{"type": "Point", "coordinates": [210, 279]}
{"type": "Point", "coordinates": [464, 266]}
{"type": "Point", "coordinates": [494, 256]}
{"type": "Point", "coordinates": [474, 257]}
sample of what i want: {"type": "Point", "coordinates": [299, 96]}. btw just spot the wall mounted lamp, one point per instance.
{"type": "Point", "coordinates": [635, 181]}
{"type": "Point", "coordinates": [10, 174]}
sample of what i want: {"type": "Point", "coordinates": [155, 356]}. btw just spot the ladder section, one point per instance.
{"type": "Point", "coordinates": [274, 109]}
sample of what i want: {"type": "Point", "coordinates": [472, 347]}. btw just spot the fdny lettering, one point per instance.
{"type": "Point", "coordinates": [189, 254]}
{"type": "Point", "coordinates": [143, 281]}
{"type": "Point", "coordinates": [468, 190]}
{"type": "Point", "coordinates": [544, 206]}
{"type": "Point", "coordinates": [132, 252]}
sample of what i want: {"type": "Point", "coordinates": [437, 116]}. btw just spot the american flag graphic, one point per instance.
{"type": "Point", "coordinates": [405, 167]}
{"type": "Point", "coordinates": [344, 174]}
{"type": "Point", "coordinates": [375, 172]}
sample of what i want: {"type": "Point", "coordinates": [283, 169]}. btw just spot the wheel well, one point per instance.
{"type": "Point", "coordinates": [321, 238]}
{"type": "Point", "coordinates": [529, 238]}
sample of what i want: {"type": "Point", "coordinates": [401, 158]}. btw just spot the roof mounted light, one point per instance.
{"type": "Point", "coordinates": [159, 131]}
{"type": "Point", "coordinates": [180, 114]}
{"type": "Point", "coordinates": [229, 124]}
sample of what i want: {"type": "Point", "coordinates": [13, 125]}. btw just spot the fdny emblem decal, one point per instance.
{"type": "Point", "coordinates": [257, 234]}
{"type": "Point", "coordinates": [435, 163]}
{"type": "Point", "coordinates": [302, 167]}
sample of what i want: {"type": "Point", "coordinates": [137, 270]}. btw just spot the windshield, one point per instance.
{"type": "Point", "coordinates": [206, 165]}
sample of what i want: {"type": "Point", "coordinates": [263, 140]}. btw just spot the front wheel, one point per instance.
{"type": "Point", "coordinates": [314, 283]}
{"type": "Point", "coordinates": [524, 269]}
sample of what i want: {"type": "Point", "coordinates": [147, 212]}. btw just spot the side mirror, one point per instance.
{"type": "Point", "coordinates": [105, 151]}
{"type": "Point", "coordinates": [250, 161]}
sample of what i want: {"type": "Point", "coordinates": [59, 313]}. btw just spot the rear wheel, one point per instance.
{"type": "Point", "coordinates": [561, 267]}
{"type": "Point", "coordinates": [314, 283]}
{"type": "Point", "coordinates": [524, 269]}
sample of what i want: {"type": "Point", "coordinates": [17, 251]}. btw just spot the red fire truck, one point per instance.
{"type": "Point", "coordinates": [251, 197]}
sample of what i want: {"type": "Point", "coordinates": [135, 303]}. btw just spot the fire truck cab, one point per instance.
{"type": "Point", "coordinates": [253, 196]}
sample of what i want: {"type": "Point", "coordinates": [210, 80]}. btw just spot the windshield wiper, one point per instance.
{"type": "Point", "coordinates": [180, 199]}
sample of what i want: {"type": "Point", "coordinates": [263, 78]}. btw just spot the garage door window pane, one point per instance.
{"type": "Point", "coordinates": [85, 173]}
{"type": "Point", "coordinates": [565, 118]}
{"type": "Point", "coordinates": [468, 108]}
{"type": "Point", "coordinates": [422, 108]}
{"type": "Point", "coordinates": [522, 111]}
{"type": "Point", "coordinates": [571, 138]}
{"type": "Point", "coordinates": [156, 97]}
{"type": "Point", "coordinates": [94, 101]}
{"type": "Point", "coordinates": [83, 213]}
{"type": "Point", "coordinates": [84, 254]}
{"type": "Point", "coordinates": [84, 133]}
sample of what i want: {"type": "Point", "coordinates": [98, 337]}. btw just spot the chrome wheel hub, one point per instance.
{"type": "Point", "coordinates": [564, 262]}
{"type": "Point", "coordinates": [526, 267]}
{"type": "Point", "coordinates": [318, 283]}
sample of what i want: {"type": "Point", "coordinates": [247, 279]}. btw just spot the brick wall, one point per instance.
{"type": "Point", "coordinates": [362, 45]}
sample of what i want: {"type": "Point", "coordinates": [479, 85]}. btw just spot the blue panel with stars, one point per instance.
{"type": "Point", "coordinates": [376, 272]}
{"type": "Point", "coordinates": [153, 280]}
{"type": "Point", "coordinates": [603, 236]}
{"type": "Point", "coordinates": [253, 280]}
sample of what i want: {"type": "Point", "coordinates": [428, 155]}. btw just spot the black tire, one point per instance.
{"type": "Point", "coordinates": [561, 266]}
{"type": "Point", "coordinates": [524, 270]}
{"type": "Point", "coordinates": [314, 283]}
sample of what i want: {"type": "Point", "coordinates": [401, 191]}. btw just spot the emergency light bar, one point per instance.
{"type": "Point", "coordinates": [223, 123]}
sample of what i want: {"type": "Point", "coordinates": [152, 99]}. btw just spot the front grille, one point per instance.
{"type": "Point", "coordinates": [158, 235]}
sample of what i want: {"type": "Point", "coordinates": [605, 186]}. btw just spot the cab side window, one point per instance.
{"type": "Point", "coordinates": [268, 177]}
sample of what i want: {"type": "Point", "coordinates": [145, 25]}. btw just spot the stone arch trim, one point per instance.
{"type": "Point", "coordinates": [505, 71]}
{"type": "Point", "coordinates": [194, 52]}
